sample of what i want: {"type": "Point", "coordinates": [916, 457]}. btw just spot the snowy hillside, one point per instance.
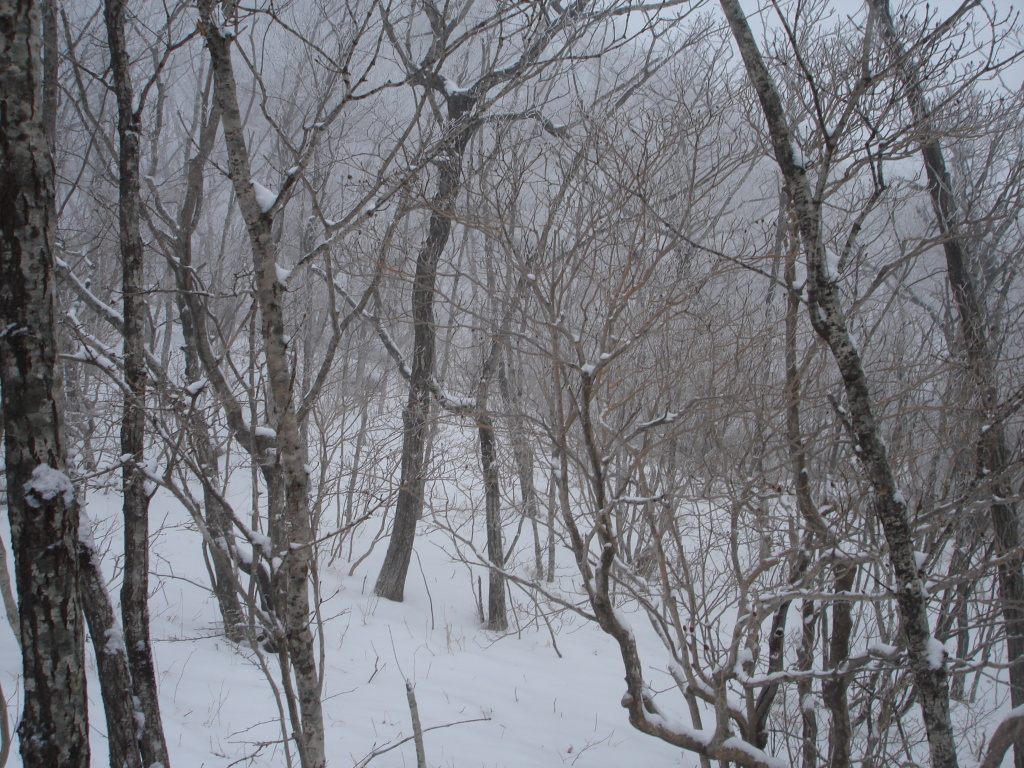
{"type": "Point", "coordinates": [484, 700]}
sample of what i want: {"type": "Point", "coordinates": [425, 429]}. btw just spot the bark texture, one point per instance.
{"type": "Point", "coordinates": [111, 663]}
{"type": "Point", "coordinates": [497, 617]}
{"type": "Point", "coordinates": [42, 508]}
{"type": "Point", "coordinates": [289, 526]}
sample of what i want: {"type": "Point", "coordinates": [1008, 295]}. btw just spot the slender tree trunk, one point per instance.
{"type": "Point", "coordinates": [190, 310]}
{"type": "Point", "coordinates": [111, 662]}
{"type": "Point", "coordinates": [10, 603]}
{"type": "Point", "coordinates": [416, 415]}
{"type": "Point", "coordinates": [497, 615]}
{"type": "Point", "coordinates": [828, 320]}
{"type": "Point", "coordinates": [992, 452]}
{"type": "Point", "coordinates": [287, 480]}
{"type": "Point", "coordinates": [834, 689]}
{"type": "Point", "coordinates": [805, 687]}
{"type": "Point", "coordinates": [135, 587]}
{"type": "Point", "coordinates": [523, 455]}
{"type": "Point", "coordinates": [41, 502]}
{"type": "Point", "coordinates": [810, 518]}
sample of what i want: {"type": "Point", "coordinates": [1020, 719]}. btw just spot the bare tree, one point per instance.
{"type": "Point", "coordinates": [135, 586]}
{"type": "Point", "coordinates": [962, 266]}
{"type": "Point", "coordinates": [829, 322]}
{"type": "Point", "coordinates": [290, 523]}
{"type": "Point", "coordinates": [547, 33]}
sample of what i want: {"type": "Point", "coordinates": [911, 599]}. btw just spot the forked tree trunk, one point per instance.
{"type": "Point", "coordinates": [41, 503]}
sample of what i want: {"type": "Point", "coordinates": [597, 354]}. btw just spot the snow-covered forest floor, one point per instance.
{"type": "Point", "coordinates": [505, 701]}
{"type": "Point", "coordinates": [544, 694]}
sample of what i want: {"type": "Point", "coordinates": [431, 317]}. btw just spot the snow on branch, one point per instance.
{"type": "Point", "coordinates": [1007, 732]}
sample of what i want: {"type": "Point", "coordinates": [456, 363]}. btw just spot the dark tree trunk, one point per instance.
{"type": "Point", "coordinates": [416, 415]}
{"type": "Point", "coordinates": [111, 663]}
{"type": "Point", "coordinates": [834, 689]}
{"type": "Point", "coordinates": [41, 504]}
{"type": "Point", "coordinates": [135, 586]}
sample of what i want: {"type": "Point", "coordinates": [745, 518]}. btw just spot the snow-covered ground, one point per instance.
{"type": "Point", "coordinates": [545, 694]}
{"type": "Point", "coordinates": [492, 701]}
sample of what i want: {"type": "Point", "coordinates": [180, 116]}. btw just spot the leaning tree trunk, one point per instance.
{"type": "Point", "coordinates": [41, 502]}
{"type": "Point", "coordinates": [135, 586]}
{"type": "Point", "coordinates": [193, 326]}
{"type": "Point", "coordinates": [829, 322]}
{"type": "Point", "coordinates": [991, 447]}
{"type": "Point", "coordinates": [111, 662]}
{"type": "Point", "coordinates": [287, 480]}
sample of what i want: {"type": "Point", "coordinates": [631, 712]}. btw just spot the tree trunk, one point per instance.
{"type": "Point", "coordinates": [135, 586]}
{"type": "Point", "coordinates": [416, 415]}
{"type": "Point", "coordinates": [41, 502]}
{"type": "Point", "coordinates": [288, 483]}
{"type": "Point", "coordinates": [833, 690]}
{"type": "Point", "coordinates": [805, 687]}
{"type": "Point", "coordinates": [828, 320]}
{"type": "Point", "coordinates": [497, 616]}
{"type": "Point", "coordinates": [523, 455]}
{"type": "Point", "coordinates": [992, 452]}
{"type": "Point", "coordinates": [111, 662]}
{"type": "Point", "coordinates": [190, 311]}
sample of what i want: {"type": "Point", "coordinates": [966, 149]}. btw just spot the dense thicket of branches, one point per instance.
{"type": "Point", "coordinates": [731, 318]}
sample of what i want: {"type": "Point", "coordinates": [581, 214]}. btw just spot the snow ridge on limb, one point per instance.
{"type": "Point", "coordinates": [644, 713]}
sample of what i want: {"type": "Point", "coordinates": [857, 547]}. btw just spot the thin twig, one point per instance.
{"type": "Point", "coordinates": [382, 750]}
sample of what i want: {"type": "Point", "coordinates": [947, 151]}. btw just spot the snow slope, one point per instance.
{"type": "Point", "coordinates": [501, 702]}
